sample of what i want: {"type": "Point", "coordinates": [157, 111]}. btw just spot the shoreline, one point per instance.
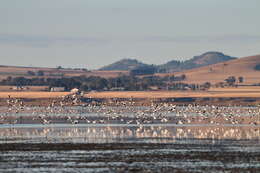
{"type": "Point", "coordinates": [138, 98]}
{"type": "Point", "coordinates": [182, 101]}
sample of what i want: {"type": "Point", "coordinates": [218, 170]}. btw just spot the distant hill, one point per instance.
{"type": "Point", "coordinates": [246, 67]}
{"type": "Point", "coordinates": [124, 64]}
{"type": "Point", "coordinates": [205, 59]}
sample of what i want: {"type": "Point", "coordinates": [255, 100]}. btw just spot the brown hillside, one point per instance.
{"type": "Point", "coordinates": [219, 72]}
{"type": "Point", "coordinates": [16, 71]}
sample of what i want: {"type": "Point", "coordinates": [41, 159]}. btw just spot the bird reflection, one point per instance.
{"type": "Point", "coordinates": [110, 133]}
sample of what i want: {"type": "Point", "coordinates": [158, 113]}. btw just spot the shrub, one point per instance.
{"type": "Point", "coordinates": [240, 79]}
{"type": "Point", "coordinates": [257, 67]}
{"type": "Point", "coordinates": [31, 73]}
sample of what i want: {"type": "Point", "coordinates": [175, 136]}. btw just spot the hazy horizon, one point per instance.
{"type": "Point", "coordinates": [93, 33]}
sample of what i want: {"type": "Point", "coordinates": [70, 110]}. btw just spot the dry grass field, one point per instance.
{"type": "Point", "coordinates": [32, 95]}
{"type": "Point", "coordinates": [171, 94]}
{"type": "Point", "coordinates": [219, 72]}
{"type": "Point", "coordinates": [237, 89]}
{"type": "Point", "coordinates": [16, 71]}
{"type": "Point", "coordinates": [136, 94]}
{"type": "Point", "coordinates": [29, 88]}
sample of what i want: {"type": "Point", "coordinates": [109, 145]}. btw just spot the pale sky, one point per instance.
{"type": "Point", "coordinates": [93, 33]}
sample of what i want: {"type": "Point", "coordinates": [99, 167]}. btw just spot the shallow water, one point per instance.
{"type": "Point", "coordinates": [103, 133]}
{"type": "Point", "coordinates": [174, 158]}
{"type": "Point", "coordinates": [120, 147]}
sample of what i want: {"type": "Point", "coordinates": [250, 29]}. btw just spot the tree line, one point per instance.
{"type": "Point", "coordinates": [124, 82]}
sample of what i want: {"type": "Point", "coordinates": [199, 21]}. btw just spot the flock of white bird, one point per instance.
{"type": "Point", "coordinates": [71, 110]}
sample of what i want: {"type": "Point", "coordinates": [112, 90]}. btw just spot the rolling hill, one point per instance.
{"type": "Point", "coordinates": [124, 64]}
{"type": "Point", "coordinates": [244, 67]}
{"type": "Point", "coordinates": [205, 59]}
{"type": "Point", "coordinates": [171, 66]}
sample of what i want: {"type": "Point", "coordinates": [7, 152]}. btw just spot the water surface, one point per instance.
{"type": "Point", "coordinates": [103, 140]}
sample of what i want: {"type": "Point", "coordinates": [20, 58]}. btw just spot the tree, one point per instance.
{"type": "Point", "coordinates": [9, 78]}
{"type": "Point", "coordinates": [241, 79]}
{"type": "Point", "coordinates": [183, 76]}
{"type": "Point", "coordinates": [231, 80]}
{"type": "Point", "coordinates": [31, 73]}
{"type": "Point", "coordinates": [172, 78]}
{"type": "Point", "coordinates": [143, 70]}
{"type": "Point", "coordinates": [220, 84]}
{"type": "Point", "coordinates": [207, 85]}
{"type": "Point", "coordinates": [40, 73]}
{"type": "Point", "coordinates": [257, 67]}
{"type": "Point", "coordinates": [59, 67]}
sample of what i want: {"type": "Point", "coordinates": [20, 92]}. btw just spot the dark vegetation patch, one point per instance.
{"type": "Point", "coordinates": [257, 67]}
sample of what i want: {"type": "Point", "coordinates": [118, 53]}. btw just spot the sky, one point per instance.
{"type": "Point", "coordinates": [92, 33]}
